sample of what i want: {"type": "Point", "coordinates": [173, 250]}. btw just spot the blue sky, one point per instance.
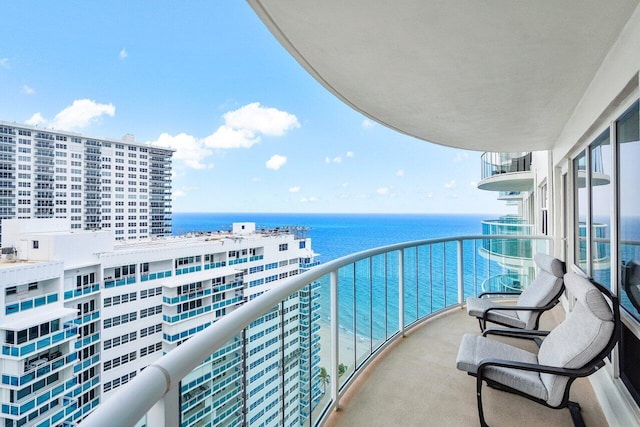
{"type": "Point", "coordinates": [253, 131]}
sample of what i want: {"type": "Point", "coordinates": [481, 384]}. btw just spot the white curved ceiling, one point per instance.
{"type": "Point", "coordinates": [494, 75]}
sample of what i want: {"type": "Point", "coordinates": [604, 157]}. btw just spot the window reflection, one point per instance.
{"type": "Point", "coordinates": [601, 209]}
{"type": "Point", "coordinates": [580, 178]}
{"type": "Point", "coordinates": [628, 130]}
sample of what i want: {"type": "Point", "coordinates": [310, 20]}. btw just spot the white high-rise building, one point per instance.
{"type": "Point", "coordinates": [97, 183]}
{"type": "Point", "coordinates": [83, 314]}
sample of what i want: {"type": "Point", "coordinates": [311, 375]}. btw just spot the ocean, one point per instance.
{"type": "Point", "coordinates": [336, 235]}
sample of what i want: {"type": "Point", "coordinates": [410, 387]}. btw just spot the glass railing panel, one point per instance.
{"type": "Point", "coordinates": [364, 315]}
{"type": "Point", "coordinates": [451, 272]}
{"type": "Point", "coordinates": [411, 291]}
{"type": "Point", "coordinates": [424, 290]}
{"type": "Point", "coordinates": [472, 268]}
{"type": "Point", "coordinates": [379, 301]}
{"type": "Point", "coordinates": [321, 349]}
{"type": "Point", "coordinates": [346, 316]}
{"type": "Point", "coordinates": [392, 292]}
{"type": "Point", "coordinates": [438, 278]}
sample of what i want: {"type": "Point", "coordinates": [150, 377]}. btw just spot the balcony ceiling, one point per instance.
{"type": "Point", "coordinates": [496, 75]}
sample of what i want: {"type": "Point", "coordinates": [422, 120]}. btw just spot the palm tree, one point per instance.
{"type": "Point", "coordinates": [324, 378]}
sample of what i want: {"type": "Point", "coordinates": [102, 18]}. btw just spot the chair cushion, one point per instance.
{"type": "Point", "coordinates": [543, 290]}
{"type": "Point", "coordinates": [473, 349]}
{"type": "Point", "coordinates": [477, 306]}
{"type": "Point", "coordinates": [579, 338]}
{"type": "Point", "coordinates": [550, 264]}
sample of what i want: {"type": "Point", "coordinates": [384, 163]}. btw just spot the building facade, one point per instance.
{"type": "Point", "coordinates": [79, 324]}
{"type": "Point", "coordinates": [97, 183]}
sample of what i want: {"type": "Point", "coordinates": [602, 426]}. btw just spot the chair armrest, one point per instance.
{"type": "Point", "coordinates": [483, 294]}
{"type": "Point", "coordinates": [515, 333]}
{"type": "Point", "coordinates": [533, 367]}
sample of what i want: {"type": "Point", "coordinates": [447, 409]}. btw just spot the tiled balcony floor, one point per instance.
{"type": "Point", "coordinates": [416, 383]}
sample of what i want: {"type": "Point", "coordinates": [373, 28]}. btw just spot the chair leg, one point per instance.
{"type": "Point", "coordinates": [483, 423]}
{"type": "Point", "coordinates": [481, 326]}
{"type": "Point", "coordinates": [576, 416]}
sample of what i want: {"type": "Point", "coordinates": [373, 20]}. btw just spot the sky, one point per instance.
{"type": "Point", "coordinates": [253, 132]}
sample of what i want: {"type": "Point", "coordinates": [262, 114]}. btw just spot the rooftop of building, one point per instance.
{"type": "Point", "coordinates": [128, 138]}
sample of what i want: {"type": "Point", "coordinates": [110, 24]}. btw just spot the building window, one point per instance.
{"type": "Point", "coordinates": [629, 175]}
{"type": "Point", "coordinates": [580, 204]}
{"type": "Point", "coordinates": [36, 244]}
{"type": "Point", "coordinates": [283, 247]}
{"type": "Point", "coordinates": [601, 176]}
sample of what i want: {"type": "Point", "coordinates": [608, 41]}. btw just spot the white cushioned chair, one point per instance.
{"type": "Point", "coordinates": [575, 348]}
{"type": "Point", "coordinates": [541, 295]}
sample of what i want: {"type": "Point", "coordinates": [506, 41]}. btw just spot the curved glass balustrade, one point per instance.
{"type": "Point", "coordinates": [508, 247]}
{"type": "Point", "coordinates": [346, 311]}
{"type": "Point", "coordinates": [501, 163]}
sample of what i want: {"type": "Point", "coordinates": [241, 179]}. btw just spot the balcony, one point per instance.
{"type": "Point", "coordinates": [506, 172]}
{"type": "Point", "coordinates": [396, 306]}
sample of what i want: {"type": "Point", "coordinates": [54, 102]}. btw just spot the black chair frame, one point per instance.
{"type": "Point", "coordinates": [589, 368]}
{"type": "Point", "coordinates": [483, 321]}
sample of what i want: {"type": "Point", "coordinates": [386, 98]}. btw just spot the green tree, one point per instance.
{"type": "Point", "coordinates": [324, 378]}
{"type": "Point", "coordinates": [342, 368]}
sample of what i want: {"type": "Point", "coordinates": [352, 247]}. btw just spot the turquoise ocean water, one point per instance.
{"type": "Point", "coordinates": [365, 308]}
{"type": "Point", "coordinates": [336, 235]}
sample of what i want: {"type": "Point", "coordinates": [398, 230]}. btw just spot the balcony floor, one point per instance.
{"type": "Point", "coordinates": [416, 383]}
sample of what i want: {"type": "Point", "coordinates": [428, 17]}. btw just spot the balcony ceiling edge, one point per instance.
{"type": "Point", "coordinates": [474, 75]}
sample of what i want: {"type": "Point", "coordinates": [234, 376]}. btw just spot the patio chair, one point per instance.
{"type": "Point", "coordinates": [577, 347]}
{"type": "Point", "coordinates": [541, 295]}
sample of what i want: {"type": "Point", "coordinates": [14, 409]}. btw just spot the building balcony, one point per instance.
{"type": "Point", "coordinates": [382, 350]}
{"type": "Point", "coordinates": [506, 172]}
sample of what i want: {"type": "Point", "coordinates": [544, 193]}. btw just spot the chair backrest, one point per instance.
{"type": "Point", "coordinates": [585, 337]}
{"type": "Point", "coordinates": [546, 288]}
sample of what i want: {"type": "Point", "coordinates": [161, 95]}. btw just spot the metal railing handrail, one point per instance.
{"type": "Point", "coordinates": [135, 399]}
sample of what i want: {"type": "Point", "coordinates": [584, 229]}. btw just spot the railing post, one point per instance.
{"type": "Point", "coordinates": [460, 273]}
{"type": "Point", "coordinates": [166, 411]}
{"type": "Point", "coordinates": [401, 291]}
{"type": "Point", "coordinates": [335, 331]}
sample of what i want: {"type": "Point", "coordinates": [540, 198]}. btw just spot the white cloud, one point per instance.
{"type": "Point", "coordinates": [429, 195]}
{"type": "Point", "coordinates": [188, 149]}
{"type": "Point", "coordinates": [344, 185]}
{"type": "Point", "coordinates": [256, 179]}
{"type": "Point", "coordinates": [242, 126]}
{"type": "Point", "coordinates": [450, 185]}
{"type": "Point", "coordinates": [81, 113]}
{"type": "Point", "coordinates": [473, 184]}
{"type": "Point", "coordinates": [295, 189]}
{"type": "Point", "coordinates": [27, 90]}
{"type": "Point", "coordinates": [36, 120]}
{"type": "Point", "coordinates": [4, 63]}
{"type": "Point", "coordinates": [460, 156]}
{"type": "Point", "coordinates": [400, 172]}
{"type": "Point", "coordinates": [241, 130]}
{"type": "Point", "coordinates": [383, 191]}
{"type": "Point", "coordinates": [226, 137]}
{"type": "Point", "coordinates": [276, 162]}
{"type": "Point", "coordinates": [338, 159]}
{"type": "Point", "coordinates": [123, 53]}
{"type": "Point", "coordinates": [311, 199]}
{"type": "Point", "coordinates": [256, 118]}
{"type": "Point", "coordinates": [367, 124]}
